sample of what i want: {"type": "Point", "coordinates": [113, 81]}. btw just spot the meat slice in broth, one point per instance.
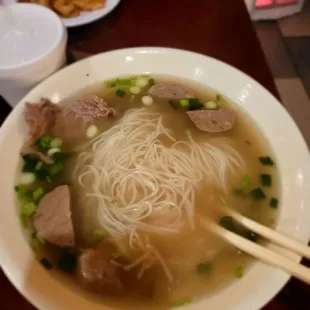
{"type": "Point", "coordinates": [87, 109]}
{"type": "Point", "coordinates": [53, 220]}
{"type": "Point", "coordinates": [171, 91]}
{"type": "Point", "coordinates": [213, 120]}
{"type": "Point", "coordinates": [40, 118]}
{"type": "Point", "coordinates": [96, 272]}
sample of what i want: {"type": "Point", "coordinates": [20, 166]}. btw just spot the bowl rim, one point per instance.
{"type": "Point", "coordinates": [282, 277]}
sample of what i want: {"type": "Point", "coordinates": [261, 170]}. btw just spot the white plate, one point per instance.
{"type": "Point", "coordinates": [85, 17]}
{"type": "Point", "coordinates": [261, 282]}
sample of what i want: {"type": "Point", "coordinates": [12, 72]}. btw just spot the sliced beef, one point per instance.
{"type": "Point", "coordinates": [78, 115]}
{"type": "Point", "coordinates": [40, 118]}
{"type": "Point", "coordinates": [28, 149]}
{"type": "Point", "coordinates": [53, 220]}
{"type": "Point", "coordinates": [88, 109]}
{"type": "Point", "coordinates": [171, 91]}
{"type": "Point", "coordinates": [213, 120]}
{"type": "Point", "coordinates": [96, 272]}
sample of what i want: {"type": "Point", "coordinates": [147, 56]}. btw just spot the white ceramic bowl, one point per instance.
{"type": "Point", "coordinates": [261, 282]}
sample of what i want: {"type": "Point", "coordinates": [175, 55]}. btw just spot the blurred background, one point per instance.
{"type": "Point", "coordinates": [283, 28]}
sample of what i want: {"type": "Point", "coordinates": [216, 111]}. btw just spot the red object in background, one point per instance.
{"type": "Point", "coordinates": [266, 3]}
{"type": "Point", "coordinates": [263, 3]}
{"type": "Point", "coordinates": [279, 2]}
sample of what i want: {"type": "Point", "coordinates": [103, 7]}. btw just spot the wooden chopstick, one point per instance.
{"type": "Point", "coordinates": [268, 233]}
{"type": "Point", "coordinates": [266, 255]}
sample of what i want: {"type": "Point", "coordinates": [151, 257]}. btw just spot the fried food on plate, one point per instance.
{"type": "Point", "coordinates": [70, 8]}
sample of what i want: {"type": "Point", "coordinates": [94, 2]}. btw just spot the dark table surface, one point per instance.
{"type": "Point", "coordinates": [217, 28]}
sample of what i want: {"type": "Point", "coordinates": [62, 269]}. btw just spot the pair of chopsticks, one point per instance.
{"type": "Point", "coordinates": [264, 254]}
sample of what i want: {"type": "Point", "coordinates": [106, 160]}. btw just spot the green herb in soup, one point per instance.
{"type": "Point", "coordinates": [115, 182]}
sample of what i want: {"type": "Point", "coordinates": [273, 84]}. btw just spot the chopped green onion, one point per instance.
{"type": "Point", "coordinates": [120, 93]}
{"type": "Point", "coordinates": [266, 179]}
{"type": "Point", "coordinates": [56, 142]}
{"type": "Point", "coordinates": [245, 181]}
{"type": "Point", "coordinates": [46, 263]}
{"type": "Point", "coordinates": [91, 131]}
{"type": "Point", "coordinates": [99, 234]}
{"type": "Point", "coordinates": [184, 102]}
{"type": "Point", "coordinates": [44, 142]}
{"type": "Point", "coordinates": [28, 209]}
{"type": "Point", "coordinates": [142, 82]}
{"type": "Point", "coordinates": [135, 90]}
{"type": "Point", "coordinates": [23, 220]}
{"type": "Point", "coordinates": [147, 100]}
{"type": "Point", "coordinates": [203, 268]}
{"type": "Point", "coordinates": [113, 201]}
{"type": "Point", "coordinates": [34, 243]}
{"type": "Point", "coordinates": [151, 82]}
{"type": "Point", "coordinates": [40, 238]}
{"type": "Point", "coordinates": [111, 83]}
{"type": "Point", "coordinates": [38, 193]}
{"type": "Point", "coordinates": [267, 161]}
{"type": "Point", "coordinates": [252, 236]}
{"type": "Point", "coordinates": [194, 104]}
{"type": "Point", "coordinates": [23, 191]}
{"type": "Point", "coordinates": [30, 163]}
{"type": "Point", "coordinates": [274, 202]}
{"type": "Point", "coordinates": [60, 156]}
{"type": "Point", "coordinates": [174, 104]}
{"type": "Point", "coordinates": [180, 302]}
{"type": "Point", "coordinates": [210, 105]}
{"type": "Point", "coordinates": [56, 168]}
{"type": "Point", "coordinates": [227, 222]}
{"type": "Point", "coordinates": [52, 151]}
{"type": "Point", "coordinates": [124, 81]}
{"type": "Point", "coordinates": [257, 194]}
{"type": "Point", "coordinates": [67, 261]}
{"type": "Point", "coordinates": [239, 272]}
{"type": "Point", "coordinates": [27, 178]}
{"type": "Point", "coordinates": [38, 165]}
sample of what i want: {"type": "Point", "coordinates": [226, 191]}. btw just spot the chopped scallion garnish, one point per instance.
{"type": "Point", "coordinates": [28, 209]}
{"type": "Point", "coordinates": [210, 105]}
{"type": "Point", "coordinates": [266, 179]}
{"type": "Point", "coordinates": [257, 194]}
{"type": "Point", "coordinates": [184, 102]}
{"type": "Point", "coordinates": [44, 142]}
{"type": "Point", "coordinates": [204, 267]}
{"type": "Point", "coordinates": [239, 272]}
{"type": "Point", "coordinates": [100, 234]}
{"type": "Point", "coordinates": [56, 168]}
{"type": "Point", "coordinates": [56, 142]}
{"type": "Point", "coordinates": [245, 181]}
{"type": "Point", "coordinates": [274, 202]}
{"type": "Point", "coordinates": [38, 193]}
{"type": "Point", "coordinates": [46, 263]}
{"type": "Point", "coordinates": [67, 261]}
{"type": "Point", "coordinates": [227, 222]}
{"type": "Point", "coordinates": [180, 302]}
{"type": "Point", "coordinates": [120, 93]}
{"type": "Point", "coordinates": [174, 104]}
{"type": "Point", "coordinates": [266, 161]}
{"type": "Point", "coordinates": [252, 236]}
{"type": "Point", "coordinates": [194, 104]}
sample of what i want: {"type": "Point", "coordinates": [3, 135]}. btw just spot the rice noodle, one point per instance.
{"type": "Point", "coordinates": [144, 182]}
